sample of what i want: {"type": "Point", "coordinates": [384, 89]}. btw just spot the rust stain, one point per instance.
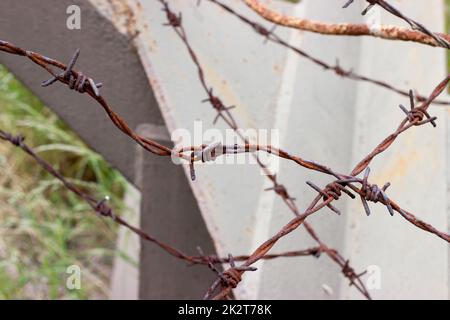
{"type": "Point", "coordinates": [277, 69]}
{"type": "Point", "coordinates": [404, 162]}
{"type": "Point", "coordinates": [123, 15]}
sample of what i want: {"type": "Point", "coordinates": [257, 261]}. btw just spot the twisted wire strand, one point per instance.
{"type": "Point", "coordinates": [419, 34]}
{"type": "Point", "coordinates": [345, 179]}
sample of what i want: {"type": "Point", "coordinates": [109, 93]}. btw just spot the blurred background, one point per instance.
{"type": "Point", "coordinates": [43, 227]}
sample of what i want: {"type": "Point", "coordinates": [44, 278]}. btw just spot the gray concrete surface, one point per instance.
{"type": "Point", "coordinates": [107, 56]}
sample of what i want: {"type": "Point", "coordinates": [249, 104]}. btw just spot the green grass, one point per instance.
{"type": "Point", "coordinates": [43, 227]}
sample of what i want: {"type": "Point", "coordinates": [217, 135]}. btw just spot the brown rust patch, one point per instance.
{"type": "Point", "coordinates": [124, 16]}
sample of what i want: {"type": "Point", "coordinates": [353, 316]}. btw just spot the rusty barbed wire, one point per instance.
{"type": "Point", "coordinates": [270, 36]}
{"type": "Point", "coordinates": [367, 193]}
{"type": "Point", "coordinates": [215, 149]}
{"type": "Point", "coordinates": [417, 26]}
{"type": "Point", "coordinates": [150, 145]}
{"type": "Point", "coordinates": [350, 29]}
{"type": "Point", "coordinates": [75, 80]}
{"type": "Point", "coordinates": [104, 210]}
{"type": "Point", "coordinates": [190, 153]}
{"type": "Point", "coordinates": [316, 205]}
{"type": "Point", "coordinates": [264, 248]}
{"type": "Point", "coordinates": [69, 76]}
{"type": "Point", "coordinates": [334, 190]}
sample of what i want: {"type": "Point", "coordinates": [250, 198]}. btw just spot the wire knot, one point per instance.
{"type": "Point", "coordinates": [233, 276]}
{"type": "Point", "coordinates": [172, 19]}
{"type": "Point", "coordinates": [347, 270]}
{"type": "Point", "coordinates": [103, 209]}
{"type": "Point", "coordinates": [332, 190]}
{"type": "Point", "coordinates": [263, 31]}
{"type": "Point", "coordinates": [217, 104]}
{"type": "Point", "coordinates": [350, 273]}
{"type": "Point", "coordinates": [416, 115]}
{"type": "Point", "coordinates": [76, 81]}
{"type": "Point", "coordinates": [210, 152]}
{"type": "Point", "coordinates": [374, 194]}
{"type": "Point", "coordinates": [16, 140]}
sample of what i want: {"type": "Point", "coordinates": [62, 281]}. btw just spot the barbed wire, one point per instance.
{"type": "Point", "coordinates": [70, 76]}
{"type": "Point", "coordinates": [414, 118]}
{"type": "Point", "coordinates": [230, 278]}
{"type": "Point", "coordinates": [334, 190]}
{"type": "Point", "coordinates": [191, 154]}
{"type": "Point", "coordinates": [215, 149]}
{"type": "Point", "coordinates": [270, 36]}
{"type": "Point", "coordinates": [419, 34]}
{"type": "Point", "coordinates": [104, 210]}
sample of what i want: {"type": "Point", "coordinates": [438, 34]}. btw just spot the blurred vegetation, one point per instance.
{"type": "Point", "coordinates": [43, 227]}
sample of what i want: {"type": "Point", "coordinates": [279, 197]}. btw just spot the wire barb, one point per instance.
{"type": "Point", "coordinates": [349, 74]}
{"type": "Point", "coordinates": [104, 210]}
{"type": "Point", "coordinates": [416, 115]}
{"type": "Point", "coordinates": [217, 104]}
{"type": "Point", "coordinates": [334, 191]}
{"type": "Point", "coordinates": [229, 278]}
{"type": "Point", "coordinates": [374, 194]}
{"type": "Point", "coordinates": [17, 140]}
{"type": "Point", "coordinates": [76, 81]}
{"type": "Point", "coordinates": [351, 274]}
